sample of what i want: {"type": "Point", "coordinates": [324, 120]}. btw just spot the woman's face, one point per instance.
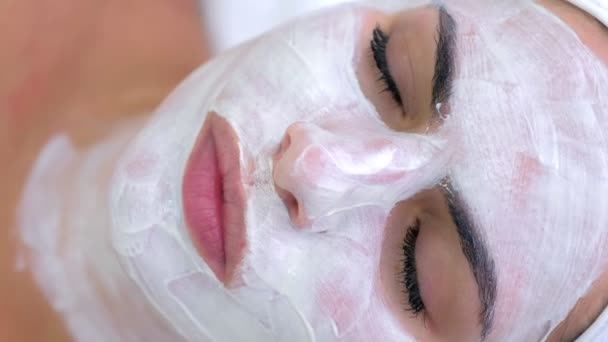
{"type": "Point", "coordinates": [368, 174]}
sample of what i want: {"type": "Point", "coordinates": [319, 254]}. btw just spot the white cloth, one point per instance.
{"type": "Point", "coordinates": [598, 331]}
{"type": "Point", "coordinates": [597, 8]}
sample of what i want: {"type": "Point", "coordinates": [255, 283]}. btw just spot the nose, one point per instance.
{"type": "Point", "coordinates": [284, 172]}
{"type": "Point", "coordinates": [319, 172]}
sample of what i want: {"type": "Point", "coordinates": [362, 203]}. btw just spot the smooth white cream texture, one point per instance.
{"type": "Point", "coordinates": [526, 150]}
{"type": "Point", "coordinates": [355, 165]}
{"type": "Point", "coordinates": [598, 9]}
{"type": "Point", "coordinates": [541, 134]}
{"type": "Point", "coordinates": [65, 231]}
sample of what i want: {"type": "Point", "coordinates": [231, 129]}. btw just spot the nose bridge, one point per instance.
{"type": "Point", "coordinates": [321, 171]}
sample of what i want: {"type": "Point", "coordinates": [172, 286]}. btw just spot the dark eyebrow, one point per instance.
{"type": "Point", "coordinates": [476, 253]}
{"type": "Point", "coordinates": [444, 60]}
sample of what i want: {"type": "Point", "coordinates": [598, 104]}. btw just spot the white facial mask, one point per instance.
{"type": "Point", "coordinates": [345, 167]}
{"type": "Point", "coordinates": [512, 148]}
{"type": "Point", "coordinates": [529, 103]}
{"type": "Point", "coordinates": [63, 221]}
{"type": "Point", "coordinates": [315, 87]}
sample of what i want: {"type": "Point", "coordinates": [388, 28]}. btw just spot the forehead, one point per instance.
{"type": "Point", "coordinates": [531, 154]}
{"type": "Point", "coordinates": [526, 109]}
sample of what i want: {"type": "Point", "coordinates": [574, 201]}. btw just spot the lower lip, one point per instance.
{"type": "Point", "coordinates": [213, 198]}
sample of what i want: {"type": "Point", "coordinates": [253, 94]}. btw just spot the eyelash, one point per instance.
{"type": "Point", "coordinates": [409, 275]}
{"type": "Point", "coordinates": [378, 46]}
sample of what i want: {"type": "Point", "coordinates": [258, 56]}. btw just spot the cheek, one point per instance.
{"type": "Point", "coordinates": [340, 302]}
{"type": "Point", "coordinates": [345, 284]}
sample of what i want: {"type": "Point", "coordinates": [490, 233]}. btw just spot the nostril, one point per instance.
{"type": "Point", "coordinates": [285, 176]}
{"type": "Point", "coordinates": [293, 207]}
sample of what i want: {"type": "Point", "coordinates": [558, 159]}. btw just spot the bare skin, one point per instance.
{"type": "Point", "coordinates": [82, 67]}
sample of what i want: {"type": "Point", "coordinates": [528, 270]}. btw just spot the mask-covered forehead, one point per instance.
{"type": "Point", "coordinates": [532, 163]}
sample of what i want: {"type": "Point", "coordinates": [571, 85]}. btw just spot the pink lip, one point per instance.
{"type": "Point", "coordinates": [214, 199]}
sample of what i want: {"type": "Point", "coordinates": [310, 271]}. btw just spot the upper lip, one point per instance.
{"type": "Point", "coordinates": [213, 198]}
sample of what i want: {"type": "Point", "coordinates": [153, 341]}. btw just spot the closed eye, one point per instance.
{"type": "Point", "coordinates": [409, 275]}
{"type": "Point", "coordinates": [378, 45]}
